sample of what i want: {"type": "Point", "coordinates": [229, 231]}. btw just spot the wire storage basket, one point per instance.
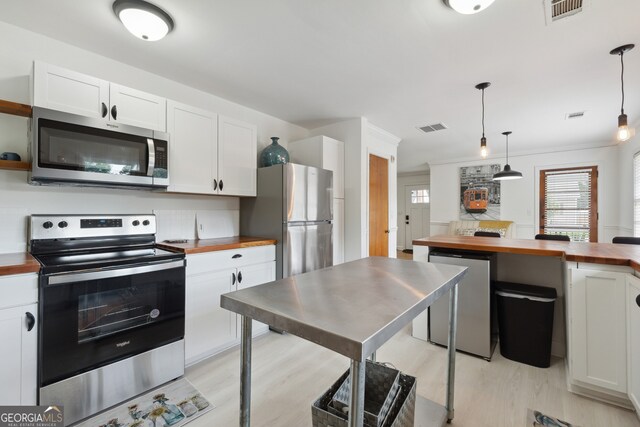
{"type": "Point", "coordinates": [400, 413]}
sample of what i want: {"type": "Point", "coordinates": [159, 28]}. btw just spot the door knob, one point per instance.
{"type": "Point", "coordinates": [386, 231]}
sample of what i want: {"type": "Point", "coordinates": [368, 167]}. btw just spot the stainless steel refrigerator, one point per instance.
{"type": "Point", "coordinates": [294, 205]}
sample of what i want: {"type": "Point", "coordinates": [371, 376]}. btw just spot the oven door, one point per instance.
{"type": "Point", "coordinates": [92, 318]}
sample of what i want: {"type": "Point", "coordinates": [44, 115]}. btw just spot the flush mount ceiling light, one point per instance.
{"type": "Point", "coordinates": [507, 173]}
{"type": "Point", "coordinates": [468, 7]}
{"type": "Point", "coordinates": [624, 133]}
{"type": "Point", "coordinates": [483, 140]}
{"type": "Point", "coordinates": [144, 20]}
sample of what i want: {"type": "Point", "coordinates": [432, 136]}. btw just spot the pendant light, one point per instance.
{"type": "Point", "coordinates": [468, 7]}
{"type": "Point", "coordinates": [623, 133]}
{"type": "Point", "coordinates": [144, 20]}
{"type": "Point", "coordinates": [483, 140]}
{"type": "Point", "coordinates": [507, 173]}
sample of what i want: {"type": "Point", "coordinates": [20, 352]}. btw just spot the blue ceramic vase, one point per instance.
{"type": "Point", "coordinates": [274, 154]}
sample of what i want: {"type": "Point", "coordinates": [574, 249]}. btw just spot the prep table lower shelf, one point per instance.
{"type": "Point", "coordinates": [352, 309]}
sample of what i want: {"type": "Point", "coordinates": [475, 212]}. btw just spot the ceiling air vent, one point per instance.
{"type": "Point", "coordinates": [564, 8]}
{"type": "Point", "coordinates": [432, 128]}
{"type": "Point", "coordinates": [575, 115]}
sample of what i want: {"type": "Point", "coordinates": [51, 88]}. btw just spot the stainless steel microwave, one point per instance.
{"type": "Point", "coordinates": [77, 150]}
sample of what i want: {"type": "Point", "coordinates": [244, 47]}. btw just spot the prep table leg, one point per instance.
{"type": "Point", "coordinates": [451, 351]}
{"type": "Point", "coordinates": [245, 372]}
{"type": "Point", "coordinates": [356, 407]}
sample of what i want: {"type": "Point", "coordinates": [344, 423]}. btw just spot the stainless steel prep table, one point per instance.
{"type": "Point", "coordinates": [352, 309]}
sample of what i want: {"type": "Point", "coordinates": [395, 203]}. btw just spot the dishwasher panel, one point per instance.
{"type": "Point", "coordinates": [475, 333]}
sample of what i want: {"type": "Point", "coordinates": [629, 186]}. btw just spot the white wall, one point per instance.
{"type": "Point", "coordinates": [350, 132]}
{"type": "Point", "coordinates": [18, 49]}
{"type": "Point", "coordinates": [626, 152]}
{"type": "Point", "coordinates": [519, 199]}
{"type": "Point", "coordinates": [361, 139]}
{"type": "Point", "coordinates": [403, 180]}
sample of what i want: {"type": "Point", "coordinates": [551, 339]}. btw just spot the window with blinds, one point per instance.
{"type": "Point", "coordinates": [636, 195]}
{"type": "Point", "coordinates": [569, 201]}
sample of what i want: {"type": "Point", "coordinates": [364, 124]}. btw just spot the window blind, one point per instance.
{"type": "Point", "coordinates": [636, 195]}
{"type": "Point", "coordinates": [569, 203]}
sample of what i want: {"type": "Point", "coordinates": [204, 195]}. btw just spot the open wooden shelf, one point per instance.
{"type": "Point", "coordinates": [13, 108]}
{"type": "Point", "coordinates": [14, 165]}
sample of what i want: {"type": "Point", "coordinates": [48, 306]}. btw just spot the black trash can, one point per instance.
{"type": "Point", "coordinates": [525, 322]}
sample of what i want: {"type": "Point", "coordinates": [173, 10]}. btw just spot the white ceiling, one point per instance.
{"type": "Point", "coordinates": [399, 63]}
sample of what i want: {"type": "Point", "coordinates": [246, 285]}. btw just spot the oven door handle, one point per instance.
{"type": "Point", "coordinates": [108, 274]}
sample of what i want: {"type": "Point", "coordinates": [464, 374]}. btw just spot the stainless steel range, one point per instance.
{"type": "Point", "coordinates": [111, 310]}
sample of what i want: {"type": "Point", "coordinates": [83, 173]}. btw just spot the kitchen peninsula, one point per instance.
{"type": "Point", "coordinates": [598, 297]}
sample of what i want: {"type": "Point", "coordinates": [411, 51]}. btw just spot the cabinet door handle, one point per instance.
{"type": "Point", "coordinates": [215, 184]}
{"type": "Point", "coordinates": [114, 112]}
{"type": "Point", "coordinates": [31, 321]}
{"type": "Point", "coordinates": [239, 276]}
{"type": "Point", "coordinates": [105, 110]}
{"type": "Point", "coordinates": [221, 184]}
{"type": "Point", "coordinates": [237, 256]}
{"type": "Point", "coordinates": [638, 300]}
{"type": "Point", "coordinates": [233, 278]}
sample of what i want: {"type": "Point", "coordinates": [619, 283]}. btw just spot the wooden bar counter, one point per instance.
{"type": "Point", "coordinates": [595, 253]}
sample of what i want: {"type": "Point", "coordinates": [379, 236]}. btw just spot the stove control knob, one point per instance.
{"type": "Point", "coordinates": [135, 223]}
{"type": "Point", "coordinates": [62, 224]}
{"type": "Point", "coordinates": [146, 222]}
{"type": "Point", "coordinates": [47, 225]}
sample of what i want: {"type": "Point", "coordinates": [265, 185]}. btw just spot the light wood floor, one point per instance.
{"type": "Point", "coordinates": [290, 373]}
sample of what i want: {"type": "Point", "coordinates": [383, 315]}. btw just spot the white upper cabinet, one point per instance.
{"type": "Point", "coordinates": [321, 152]}
{"type": "Point", "coordinates": [65, 90]}
{"type": "Point", "coordinates": [633, 339]}
{"type": "Point", "coordinates": [137, 108]}
{"type": "Point", "coordinates": [72, 92]}
{"type": "Point", "coordinates": [237, 157]}
{"type": "Point", "coordinates": [193, 147]}
{"type": "Point", "coordinates": [597, 331]}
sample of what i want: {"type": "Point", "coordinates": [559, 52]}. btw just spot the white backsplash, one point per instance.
{"type": "Point", "coordinates": [197, 224]}
{"type": "Point", "coordinates": [213, 224]}
{"type": "Point", "coordinates": [13, 229]}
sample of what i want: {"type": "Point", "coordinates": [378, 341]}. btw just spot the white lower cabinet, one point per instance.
{"type": "Point", "coordinates": [19, 332]}
{"type": "Point", "coordinates": [633, 340]}
{"type": "Point", "coordinates": [253, 275]}
{"type": "Point", "coordinates": [209, 328]}
{"type": "Point", "coordinates": [597, 329]}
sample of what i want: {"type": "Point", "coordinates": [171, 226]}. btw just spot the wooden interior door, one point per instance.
{"type": "Point", "coordinates": [378, 206]}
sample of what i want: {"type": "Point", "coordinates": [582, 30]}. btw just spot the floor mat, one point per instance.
{"type": "Point", "coordinates": [174, 404]}
{"type": "Point", "coordinates": [538, 419]}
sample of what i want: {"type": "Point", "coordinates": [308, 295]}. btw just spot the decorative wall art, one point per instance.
{"type": "Point", "coordinates": [479, 193]}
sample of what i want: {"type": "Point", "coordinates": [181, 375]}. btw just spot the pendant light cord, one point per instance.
{"type": "Point", "coordinates": [507, 162]}
{"type": "Point", "coordinates": [622, 81]}
{"type": "Point", "coordinates": [483, 113]}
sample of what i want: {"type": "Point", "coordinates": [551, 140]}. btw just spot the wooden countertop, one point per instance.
{"type": "Point", "coordinates": [220, 244]}
{"type": "Point", "coordinates": [18, 263]}
{"type": "Point", "coordinates": [597, 253]}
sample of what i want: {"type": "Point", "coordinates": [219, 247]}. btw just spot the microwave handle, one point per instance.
{"type": "Point", "coordinates": [152, 156]}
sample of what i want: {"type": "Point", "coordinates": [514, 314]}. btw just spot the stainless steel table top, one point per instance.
{"type": "Point", "coordinates": [351, 308]}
